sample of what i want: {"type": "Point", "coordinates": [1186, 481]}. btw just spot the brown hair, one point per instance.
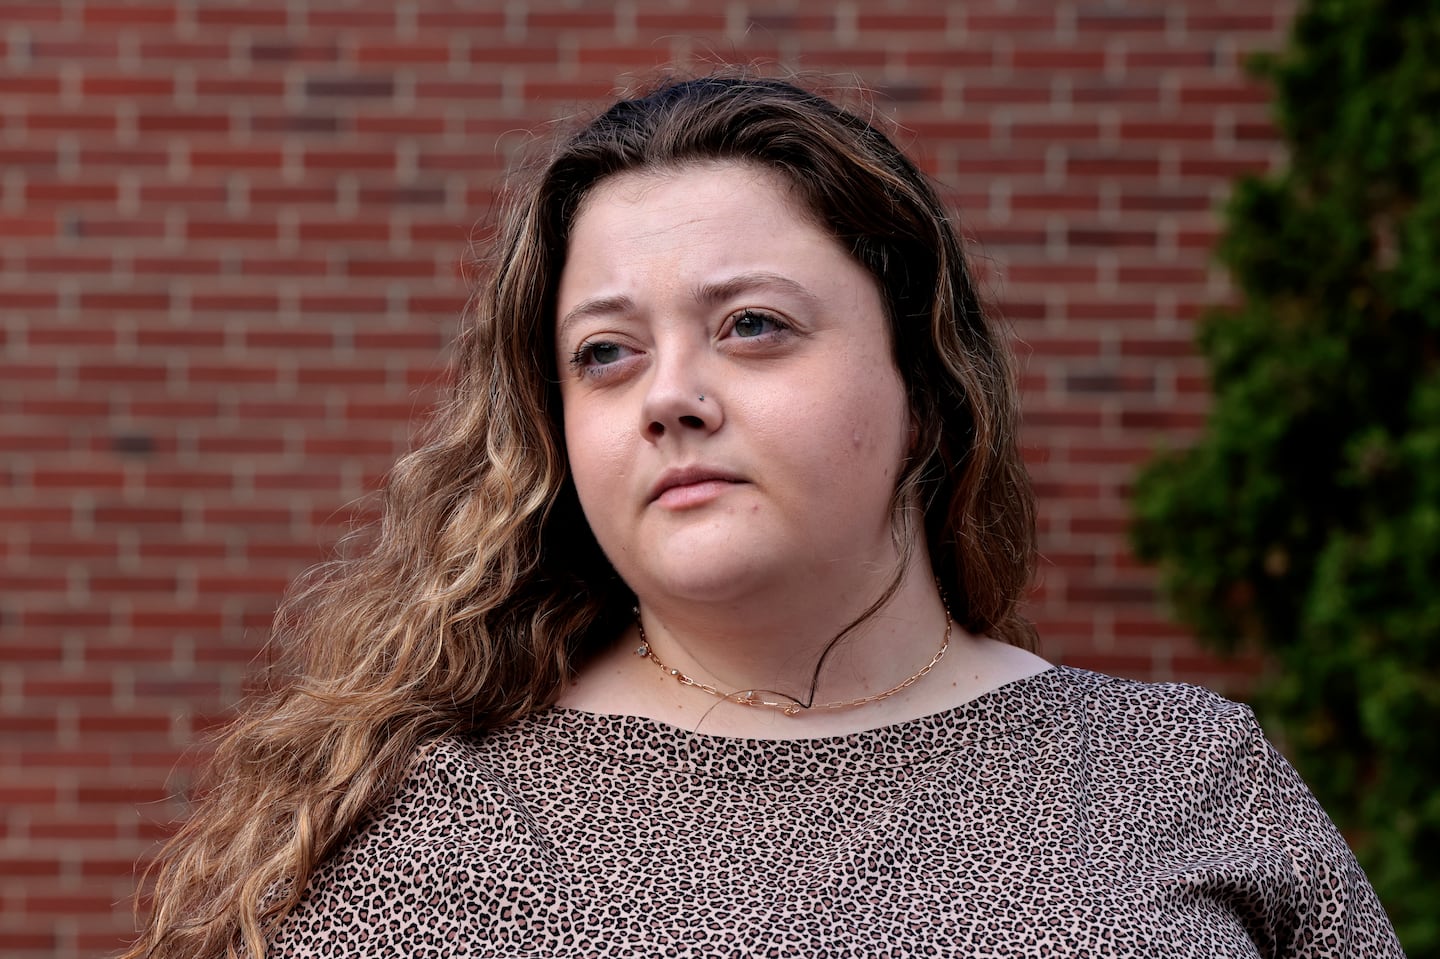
{"type": "Point", "coordinates": [483, 588]}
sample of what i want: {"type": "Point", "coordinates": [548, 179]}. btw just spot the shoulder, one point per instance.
{"type": "Point", "coordinates": [402, 877]}
{"type": "Point", "coordinates": [458, 779]}
{"type": "Point", "coordinates": [1181, 742]}
{"type": "Point", "coordinates": [1178, 714]}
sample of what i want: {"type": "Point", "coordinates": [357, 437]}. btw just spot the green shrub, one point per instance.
{"type": "Point", "coordinates": [1305, 523]}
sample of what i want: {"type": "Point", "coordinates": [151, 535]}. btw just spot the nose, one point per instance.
{"type": "Point", "coordinates": [676, 400]}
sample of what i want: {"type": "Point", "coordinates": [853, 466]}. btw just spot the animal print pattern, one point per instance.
{"type": "Point", "coordinates": [1067, 814]}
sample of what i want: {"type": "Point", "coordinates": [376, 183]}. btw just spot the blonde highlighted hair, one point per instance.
{"type": "Point", "coordinates": [482, 588]}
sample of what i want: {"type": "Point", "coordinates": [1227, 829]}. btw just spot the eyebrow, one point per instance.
{"type": "Point", "coordinates": [706, 294]}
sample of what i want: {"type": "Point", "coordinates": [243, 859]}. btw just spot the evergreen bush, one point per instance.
{"type": "Point", "coordinates": [1305, 522]}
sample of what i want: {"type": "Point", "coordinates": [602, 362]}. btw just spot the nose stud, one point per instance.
{"type": "Point", "coordinates": [702, 397]}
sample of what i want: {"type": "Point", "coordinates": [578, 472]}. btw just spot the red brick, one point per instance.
{"type": "Point", "coordinates": [105, 156]}
{"type": "Point", "coordinates": [350, 18]}
{"type": "Point", "coordinates": [345, 231]}
{"type": "Point", "coordinates": [350, 374]}
{"type": "Point", "coordinates": [368, 52]}
{"type": "Point", "coordinates": [1059, 58]}
{"type": "Point", "coordinates": [1169, 131]}
{"type": "Point", "coordinates": [183, 194]}
{"type": "Point", "coordinates": [91, 49]}
{"type": "Point", "coordinates": [27, 226]}
{"type": "Point", "coordinates": [74, 123]}
{"type": "Point", "coordinates": [42, 546]}
{"type": "Point", "coordinates": [391, 268]}
{"type": "Point", "coordinates": [290, 339]}
{"type": "Point", "coordinates": [121, 795]}
{"type": "Point", "coordinates": [41, 940]}
{"type": "Point", "coordinates": [241, 444]}
{"type": "Point", "coordinates": [192, 263]}
{"type": "Point", "coordinates": [121, 373]}
{"type": "Point", "coordinates": [153, 548]}
{"type": "Point", "coordinates": [1203, 19]}
{"type": "Point", "coordinates": [122, 85]}
{"type": "Point", "coordinates": [70, 336]}
{"type": "Point", "coordinates": [26, 373]}
{"type": "Point", "coordinates": [274, 51]}
{"type": "Point", "coordinates": [70, 263]}
{"type": "Point", "coordinates": [211, 373]}
{"type": "Point", "coordinates": [91, 226]}
{"type": "Point", "coordinates": [200, 229]}
{"type": "Point", "coordinates": [78, 478]}
{"type": "Point", "coordinates": [112, 15]}
{"type": "Point", "coordinates": [247, 14]}
{"type": "Point", "coordinates": [348, 160]}
{"type": "Point", "coordinates": [317, 194]}
{"type": "Point", "coordinates": [469, 90]}
{"type": "Point", "coordinates": [39, 687]}
{"type": "Point", "coordinates": [297, 266]}
{"type": "Point", "coordinates": [199, 51]}
{"type": "Point", "coordinates": [186, 479]}
{"type": "Point", "coordinates": [317, 479]}
{"type": "Point", "coordinates": [412, 339]}
{"type": "Point", "coordinates": [111, 868]}
{"type": "Point", "coordinates": [128, 515]}
{"type": "Point", "coordinates": [342, 303]}
{"type": "Point", "coordinates": [73, 905]}
{"type": "Point", "coordinates": [270, 586]}
{"type": "Point", "coordinates": [12, 868]}
{"type": "Point", "coordinates": [17, 11]}
{"type": "Point", "coordinates": [251, 159]}
{"type": "Point", "coordinates": [247, 88]}
{"type": "Point", "coordinates": [132, 584]}
{"type": "Point", "coordinates": [34, 723]}
{"type": "Point", "coordinates": [180, 336]}
{"type": "Point", "coordinates": [248, 409]}
{"type": "Point", "coordinates": [575, 19]}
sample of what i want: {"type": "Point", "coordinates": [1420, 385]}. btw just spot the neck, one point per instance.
{"type": "Point", "coordinates": [775, 643]}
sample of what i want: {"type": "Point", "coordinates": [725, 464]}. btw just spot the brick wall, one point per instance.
{"type": "Point", "coordinates": [229, 246]}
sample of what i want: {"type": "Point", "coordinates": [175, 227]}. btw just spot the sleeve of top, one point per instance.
{"type": "Point", "coordinates": [393, 890]}
{"type": "Point", "coordinates": [1329, 911]}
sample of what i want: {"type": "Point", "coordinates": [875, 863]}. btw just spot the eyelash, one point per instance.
{"type": "Point", "coordinates": [582, 359]}
{"type": "Point", "coordinates": [582, 356]}
{"type": "Point", "coordinates": [780, 325]}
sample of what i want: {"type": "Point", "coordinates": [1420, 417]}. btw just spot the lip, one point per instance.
{"type": "Point", "coordinates": [697, 481]}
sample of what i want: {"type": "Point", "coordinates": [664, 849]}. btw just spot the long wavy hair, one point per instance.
{"type": "Point", "coordinates": [482, 588]}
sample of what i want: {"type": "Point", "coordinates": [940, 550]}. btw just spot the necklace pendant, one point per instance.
{"type": "Point", "coordinates": [642, 650]}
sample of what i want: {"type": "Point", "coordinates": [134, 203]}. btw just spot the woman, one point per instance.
{"type": "Point", "coordinates": [693, 629]}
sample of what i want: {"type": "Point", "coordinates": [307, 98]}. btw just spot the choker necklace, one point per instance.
{"type": "Point", "coordinates": [751, 697]}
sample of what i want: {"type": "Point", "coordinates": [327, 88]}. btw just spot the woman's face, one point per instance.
{"type": "Point", "coordinates": [733, 417]}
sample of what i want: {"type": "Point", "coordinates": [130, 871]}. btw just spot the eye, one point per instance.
{"type": "Point", "coordinates": [596, 354]}
{"type": "Point", "coordinates": [752, 323]}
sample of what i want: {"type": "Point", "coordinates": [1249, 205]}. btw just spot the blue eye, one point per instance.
{"type": "Point", "coordinates": [603, 353]}
{"type": "Point", "coordinates": [751, 323]}
{"type": "Point", "coordinates": [595, 354]}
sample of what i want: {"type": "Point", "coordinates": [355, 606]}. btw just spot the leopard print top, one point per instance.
{"type": "Point", "coordinates": [1067, 814]}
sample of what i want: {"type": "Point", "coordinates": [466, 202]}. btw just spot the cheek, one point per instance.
{"type": "Point", "coordinates": [862, 441]}
{"type": "Point", "coordinates": [882, 420]}
{"type": "Point", "coordinates": [598, 464]}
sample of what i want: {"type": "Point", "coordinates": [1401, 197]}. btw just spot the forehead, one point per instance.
{"type": "Point", "coordinates": [693, 227]}
{"type": "Point", "coordinates": [635, 186]}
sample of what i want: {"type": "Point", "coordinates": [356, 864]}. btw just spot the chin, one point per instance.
{"type": "Point", "coordinates": [706, 579]}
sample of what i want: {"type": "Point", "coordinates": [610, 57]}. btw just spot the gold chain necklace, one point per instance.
{"type": "Point", "coordinates": [750, 697]}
